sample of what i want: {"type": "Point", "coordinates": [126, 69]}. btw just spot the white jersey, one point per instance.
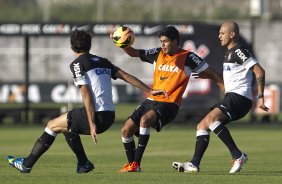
{"type": "Point", "coordinates": [96, 72]}
{"type": "Point", "coordinates": [236, 74]}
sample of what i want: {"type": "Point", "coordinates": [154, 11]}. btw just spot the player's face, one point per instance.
{"type": "Point", "coordinates": [167, 45]}
{"type": "Point", "coordinates": [224, 36]}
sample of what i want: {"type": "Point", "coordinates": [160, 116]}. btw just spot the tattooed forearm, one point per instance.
{"type": "Point", "coordinates": [260, 83]}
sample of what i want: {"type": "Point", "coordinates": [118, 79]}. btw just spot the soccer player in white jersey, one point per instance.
{"type": "Point", "coordinates": [238, 66]}
{"type": "Point", "coordinates": [92, 74]}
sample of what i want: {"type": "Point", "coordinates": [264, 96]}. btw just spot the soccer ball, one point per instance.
{"type": "Point", "coordinates": [123, 37]}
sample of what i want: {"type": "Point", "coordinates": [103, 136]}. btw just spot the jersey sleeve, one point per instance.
{"type": "Point", "coordinates": [114, 69]}
{"type": "Point", "coordinates": [149, 55]}
{"type": "Point", "coordinates": [196, 63]}
{"type": "Point", "coordinates": [78, 73]}
{"type": "Point", "coordinates": [245, 58]}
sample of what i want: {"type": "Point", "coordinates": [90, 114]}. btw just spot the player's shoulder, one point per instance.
{"type": "Point", "coordinates": [241, 51]}
{"type": "Point", "coordinates": [75, 62]}
{"type": "Point", "coordinates": [79, 60]}
{"type": "Point", "coordinates": [95, 58]}
{"type": "Point", "coordinates": [84, 59]}
{"type": "Point", "coordinates": [191, 56]}
{"type": "Point", "coordinates": [152, 51]}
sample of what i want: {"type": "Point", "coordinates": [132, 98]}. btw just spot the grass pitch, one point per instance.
{"type": "Point", "coordinates": [174, 143]}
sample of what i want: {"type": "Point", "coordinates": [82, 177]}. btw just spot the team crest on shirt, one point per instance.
{"type": "Point", "coordinates": [95, 59]}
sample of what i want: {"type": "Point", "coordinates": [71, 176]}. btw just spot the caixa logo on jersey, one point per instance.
{"type": "Point", "coordinates": [101, 71]}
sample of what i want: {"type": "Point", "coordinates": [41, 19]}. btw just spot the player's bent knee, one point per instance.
{"type": "Point", "coordinates": [55, 127]}
{"type": "Point", "coordinates": [203, 125]}
{"type": "Point", "coordinates": [125, 131]}
{"type": "Point", "coordinates": [145, 123]}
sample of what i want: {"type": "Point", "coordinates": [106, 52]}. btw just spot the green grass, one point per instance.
{"type": "Point", "coordinates": [175, 143]}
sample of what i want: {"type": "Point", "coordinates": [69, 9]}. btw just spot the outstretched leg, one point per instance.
{"type": "Point", "coordinates": [43, 143]}
{"type": "Point", "coordinates": [40, 147]}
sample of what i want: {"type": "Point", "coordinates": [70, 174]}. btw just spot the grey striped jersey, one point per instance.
{"type": "Point", "coordinates": [96, 72]}
{"type": "Point", "coordinates": [236, 71]}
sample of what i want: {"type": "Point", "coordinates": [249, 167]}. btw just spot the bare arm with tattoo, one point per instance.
{"type": "Point", "coordinates": [260, 78]}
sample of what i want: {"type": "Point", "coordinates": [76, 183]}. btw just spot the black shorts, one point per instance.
{"type": "Point", "coordinates": [166, 112]}
{"type": "Point", "coordinates": [77, 121]}
{"type": "Point", "coordinates": [234, 106]}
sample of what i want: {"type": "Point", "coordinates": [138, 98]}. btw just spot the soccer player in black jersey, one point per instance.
{"type": "Point", "coordinates": [92, 74]}
{"type": "Point", "coordinates": [238, 68]}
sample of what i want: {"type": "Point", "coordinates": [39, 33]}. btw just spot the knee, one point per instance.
{"type": "Point", "coordinates": [50, 125]}
{"type": "Point", "coordinates": [144, 122]}
{"type": "Point", "coordinates": [125, 131]}
{"type": "Point", "coordinates": [53, 126]}
{"type": "Point", "coordinates": [204, 124]}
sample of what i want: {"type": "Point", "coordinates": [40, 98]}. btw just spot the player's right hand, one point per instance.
{"type": "Point", "coordinates": [156, 92]}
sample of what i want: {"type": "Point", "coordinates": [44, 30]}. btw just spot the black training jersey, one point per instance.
{"type": "Point", "coordinates": [96, 72]}
{"type": "Point", "coordinates": [236, 74]}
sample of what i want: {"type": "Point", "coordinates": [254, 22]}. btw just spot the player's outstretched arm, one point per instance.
{"type": "Point", "coordinates": [209, 73]}
{"type": "Point", "coordinates": [131, 51]}
{"type": "Point", "coordinates": [138, 83]}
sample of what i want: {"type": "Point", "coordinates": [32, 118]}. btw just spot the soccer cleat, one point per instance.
{"type": "Point", "coordinates": [85, 168]}
{"type": "Point", "coordinates": [185, 167]}
{"type": "Point", "coordinates": [132, 167]}
{"type": "Point", "coordinates": [124, 168]}
{"type": "Point", "coordinates": [18, 164]}
{"type": "Point", "coordinates": [238, 163]}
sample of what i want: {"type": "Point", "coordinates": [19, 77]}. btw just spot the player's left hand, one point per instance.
{"type": "Point", "coordinates": [93, 133]}
{"type": "Point", "coordinates": [156, 92]}
{"type": "Point", "coordinates": [261, 105]}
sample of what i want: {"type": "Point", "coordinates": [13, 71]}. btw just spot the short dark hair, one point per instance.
{"type": "Point", "coordinates": [171, 32]}
{"type": "Point", "coordinates": [80, 41]}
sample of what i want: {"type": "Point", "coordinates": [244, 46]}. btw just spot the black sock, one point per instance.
{"type": "Point", "coordinates": [142, 143]}
{"type": "Point", "coordinates": [75, 144]}
{"type": "Point", "coordinates": [223, 133]}
{"type": "Point", "coordinates": [129, 150]}
{"type": "Point", "coordinates": [41, 146]}
{"type": "Point", "coordinates": [202, 143]}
